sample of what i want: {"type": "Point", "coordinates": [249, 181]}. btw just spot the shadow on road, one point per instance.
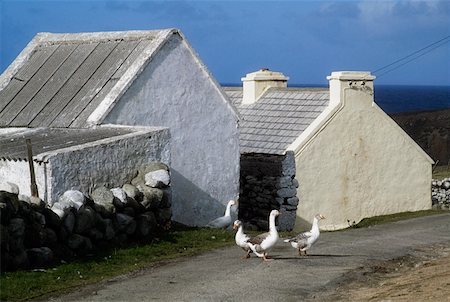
{"type": "Point", "coordinates": [314, 256]}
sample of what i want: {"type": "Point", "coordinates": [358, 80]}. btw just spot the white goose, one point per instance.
{"type": "Point", "coordinates": [303, 241]}
{"type": "Point", "coordinates": [223, 221]}
{"type": "Point", "coordinates": [262, 243]}
{"type": "Point", "coordinates": [241, 238]}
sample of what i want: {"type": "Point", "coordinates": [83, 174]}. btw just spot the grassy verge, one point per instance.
{"type": "Point", "coordinates": [366, 222]}
{"type": "Point", "coordinates": [440, 172]}
{"type": "Point", "coordinates": [25, 285]}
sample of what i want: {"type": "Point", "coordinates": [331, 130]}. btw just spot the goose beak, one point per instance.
{"type": "Point", "coordinates": [322, 217]}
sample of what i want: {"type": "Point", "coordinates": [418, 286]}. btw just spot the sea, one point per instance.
{"type": "Point", "coordinates": [401, 98]}
{"type": "Point", "coordinates": [405, 98]}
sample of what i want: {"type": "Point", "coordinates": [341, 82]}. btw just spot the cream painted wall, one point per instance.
{"type": "Point", "coordinates": [360, 164]}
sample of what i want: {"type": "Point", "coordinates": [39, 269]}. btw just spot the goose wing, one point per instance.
{"type": "Point", "coordinates": [303, 236]}
{"type": "Point", "coordinates": [221, 222]}
{"type": "Point", "coordinates": [257, 240]}
{"type": "Point", "coordinates": [299, 237]}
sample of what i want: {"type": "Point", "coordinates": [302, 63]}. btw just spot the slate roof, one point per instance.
{"type": "Point", "coordinates": [274, 122]}
{"type": "Point", "coordinates": [13, 145]}
{"type": "Point", "coordinates": [61, 78]}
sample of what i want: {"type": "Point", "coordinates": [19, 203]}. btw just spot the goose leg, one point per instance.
{"type": "Point", "coordinates": [247, 255]}
{"type": "Point", "coordinates": [266, 258]}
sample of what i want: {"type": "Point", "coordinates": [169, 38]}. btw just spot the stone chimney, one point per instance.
{"type": "Point", "coordinates": [255, 83]}
{"type": "Point", "coordinates": [361, 81]}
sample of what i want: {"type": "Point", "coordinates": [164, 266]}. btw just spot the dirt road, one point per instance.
{"type": "Point", "coordinates": [423, 275]}
{"type": "Point", "coordinates": [341, 264]}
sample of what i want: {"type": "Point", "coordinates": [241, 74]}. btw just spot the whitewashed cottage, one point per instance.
{"type": "Point", "coordinates": [330, 151]}
{"type": "Point", "coordinates": [132, 78]}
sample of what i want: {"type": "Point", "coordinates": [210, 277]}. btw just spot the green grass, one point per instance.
{"type": "Point", "coordinates": [367, 222]}
{"type": "Point", "coordinates": [440, 172]}
{"type": "Point", "coordinates": [25, 285]}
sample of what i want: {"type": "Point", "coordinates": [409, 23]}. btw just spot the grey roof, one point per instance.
{"type": "Point", "coordinates": [61, 78]}
{"type": "Point", "coordinates": [278, 117]}
{"type": "Point", "coordinates": [13, 145]}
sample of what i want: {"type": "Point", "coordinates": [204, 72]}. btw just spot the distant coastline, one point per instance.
{"type": "Point", "coordinates": [400, 98]}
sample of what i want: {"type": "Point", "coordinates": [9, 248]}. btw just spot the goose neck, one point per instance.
{"type": "Point", "coordinates": [315, 226]}
{"type": "Point", "coordinates": [228, 210]}
{"type": "Point", "coordinates": [240, 230]}
{"type": "Point", "coordinates": [272, 227]}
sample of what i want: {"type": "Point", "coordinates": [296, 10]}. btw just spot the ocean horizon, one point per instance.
{"type": "Point", "coordinates": [401, 98]}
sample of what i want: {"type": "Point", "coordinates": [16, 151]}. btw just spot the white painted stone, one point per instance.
{"type": "Point", "coordinates": [9, 187]}
{"type": "Point", "coordinates": [104, 197]}
{"type": "Point", "coordinates": [72, 198]}
{"type": "Point", "coordinates": [130, 190]}
{"type": "Point", "coordinates": [157, 179]}
{"type": "Point", "coordinates": [120, 194]}
{"type": "Point", "coordinates": [37, 201]}
{"type": "Point", "coordinates": [58, 211]}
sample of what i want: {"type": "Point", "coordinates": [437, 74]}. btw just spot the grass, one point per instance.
{"type": "Point", "coordinates": [440, 172]}
{"type": "Point", "coordinates": [367, 222]}
{"type": "Point", "coordinates": [25, 285]}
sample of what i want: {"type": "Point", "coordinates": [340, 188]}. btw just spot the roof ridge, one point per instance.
{"type": "Point", "coordinates": [48, 37]}
{"type": "Point", "coordinates": [299, 88]}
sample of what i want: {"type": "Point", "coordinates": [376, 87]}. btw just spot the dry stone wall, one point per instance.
{"type": "Point", "coordinates": [35, 235]}
{"type": "Point", "coordinates": [268, 182]}
{"type": "Point", "coordinates": [440, 193]}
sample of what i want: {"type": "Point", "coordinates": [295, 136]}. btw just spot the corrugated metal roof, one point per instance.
{"type": "Point", "coordinates": [13, 145]}
{"type": "Point", "coordinates": [280, 116]}
{"type": "Point", "coordinates": [64, 79]}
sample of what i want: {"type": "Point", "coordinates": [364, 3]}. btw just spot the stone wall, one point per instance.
{"type": "Point", "coordinates": [440, 193]}
{"type": "Point", "coordinates": [268, 182]}
{"type": "Point", "coordinates": [35, 235]}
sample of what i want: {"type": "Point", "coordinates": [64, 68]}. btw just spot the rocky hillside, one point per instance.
{"type": "Point", "coordinates": [430, 129]}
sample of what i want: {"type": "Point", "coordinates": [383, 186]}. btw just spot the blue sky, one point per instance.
{"type": "Point", "coordinates": [306, 40]}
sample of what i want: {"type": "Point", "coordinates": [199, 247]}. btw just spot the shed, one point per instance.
{"type": "Point", "coordinates": [351, 161]}
{"type": "Point", "coordinates": [133, 78]}
{"type": "Point", "coordinates": [68, 158]}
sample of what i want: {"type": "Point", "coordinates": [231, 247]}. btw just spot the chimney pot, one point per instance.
{"type": "Point", "coordinates": [256, 83]}
{"type": "Point", "coordinates": [357, 80]}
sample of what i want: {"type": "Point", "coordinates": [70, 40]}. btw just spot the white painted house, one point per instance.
{"type": "Point", "coordinates": [351, 160]}
{"type": "Point", "coordinates": [133, 78]}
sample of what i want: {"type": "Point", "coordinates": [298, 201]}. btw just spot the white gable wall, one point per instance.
{"type": "Point", "coordinates": [176, 91]}
{"type": "Point", "coordinates": [360, 164]}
